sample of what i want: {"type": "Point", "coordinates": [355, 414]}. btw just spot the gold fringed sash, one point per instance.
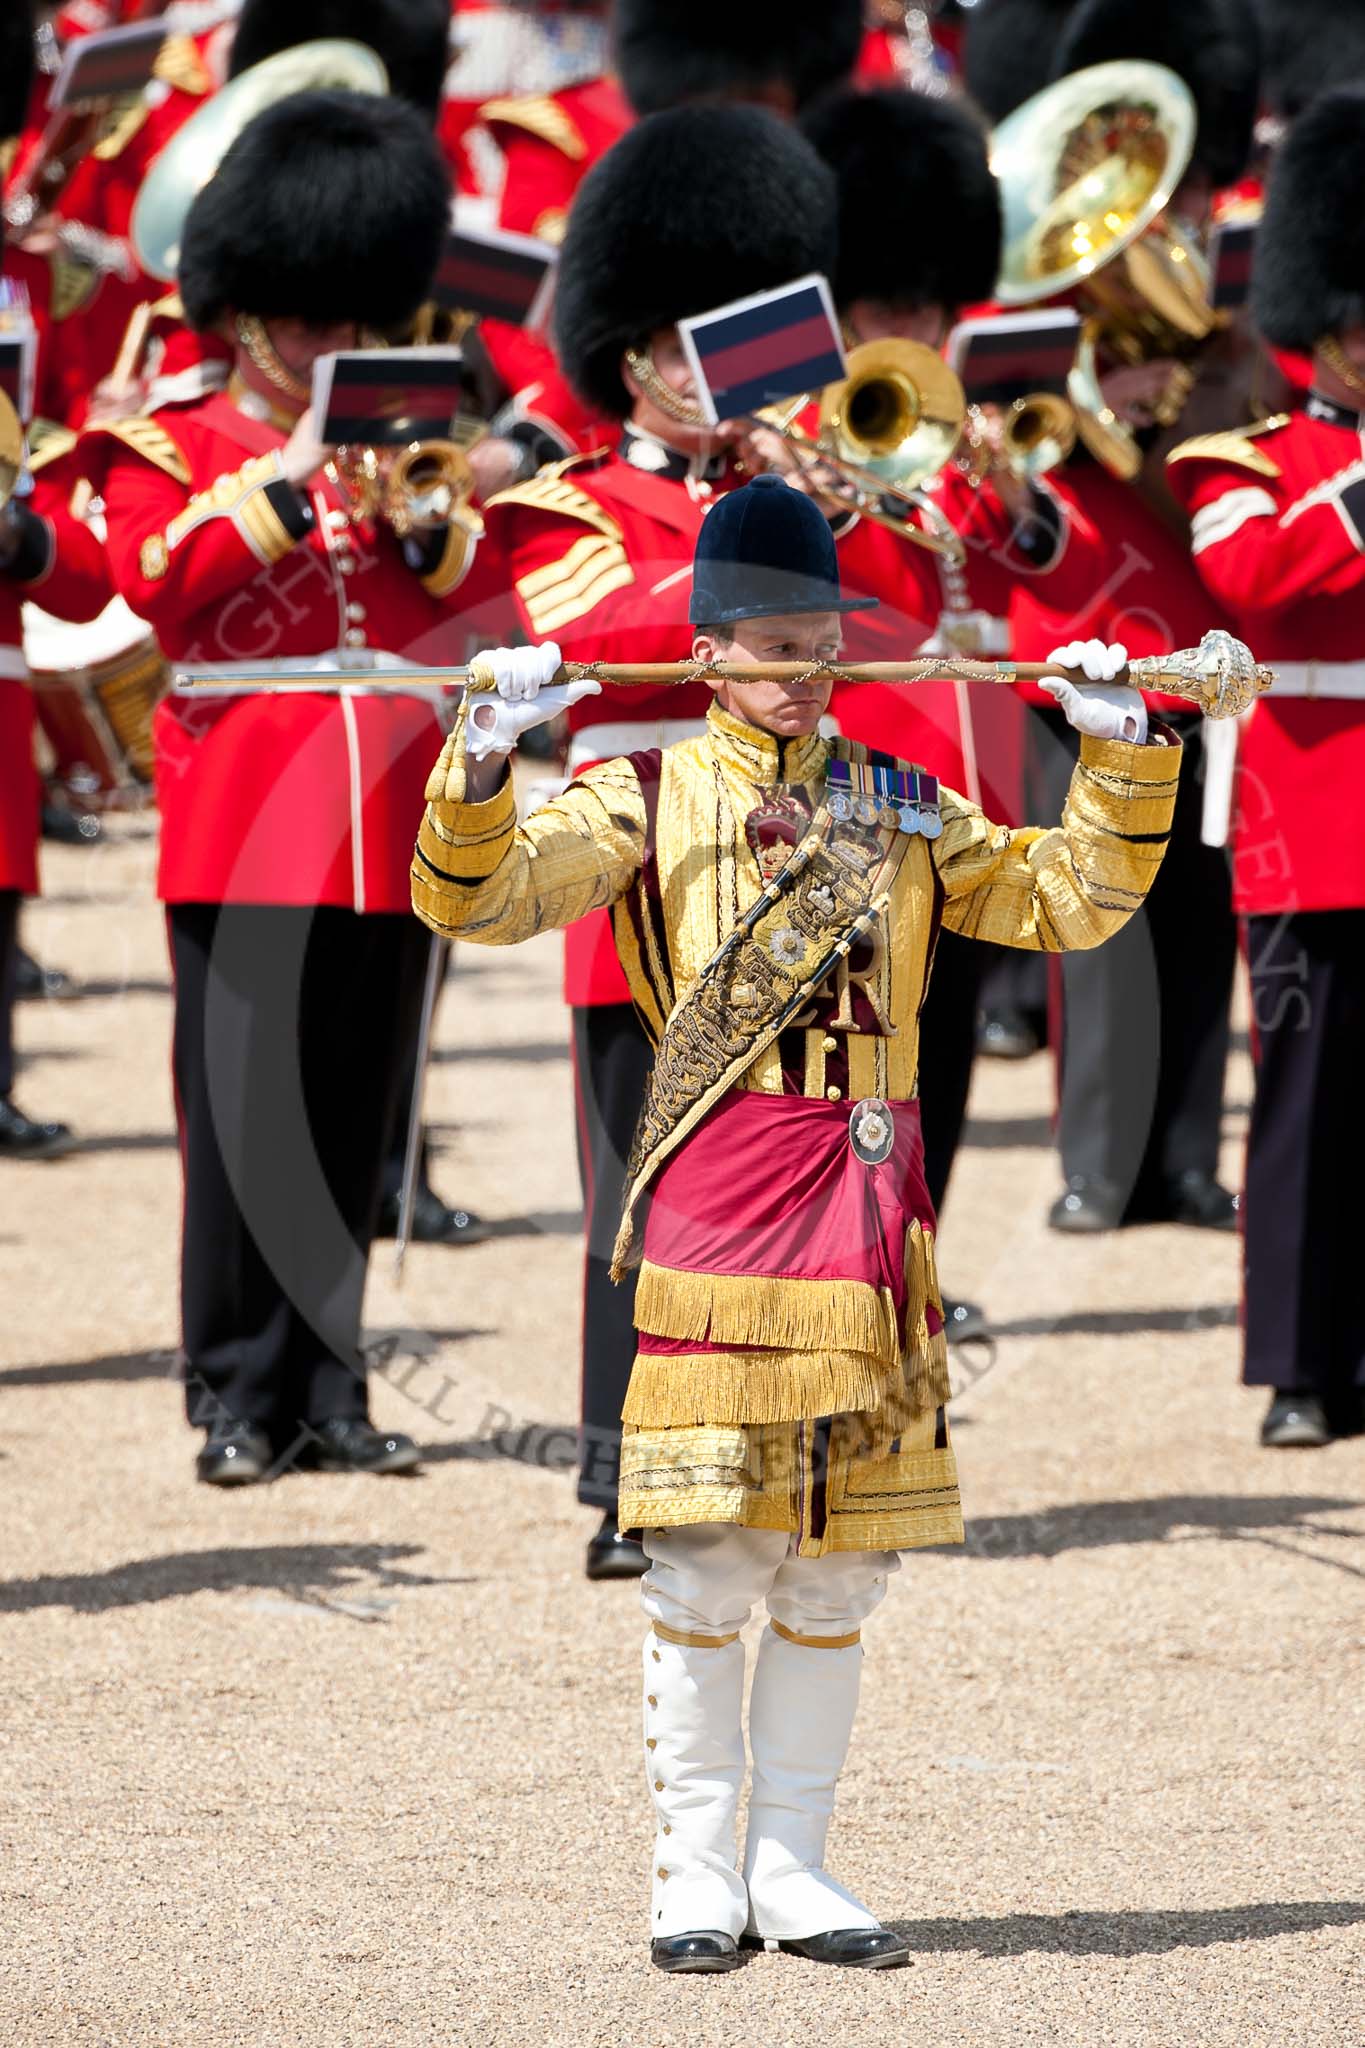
{"type": "Point", "coordinates": [765, 1312]}
{"type": "Point", "coordinates": [828, 895]}
{"type": "Point", "coordinates": [819, 1347]}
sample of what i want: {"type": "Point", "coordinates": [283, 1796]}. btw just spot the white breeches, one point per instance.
{"type": "Point", "coordinates": [701, 1587]}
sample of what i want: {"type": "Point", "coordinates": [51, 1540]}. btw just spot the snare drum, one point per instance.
{"type": "Point", "coordinates": [95, 689]}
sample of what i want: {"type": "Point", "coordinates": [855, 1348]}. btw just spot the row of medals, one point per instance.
{"type": "Point", "coordinates": [868, 809]}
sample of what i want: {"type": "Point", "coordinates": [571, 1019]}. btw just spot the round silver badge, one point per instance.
{"type": "Point", "coordinates": [930, 824]}
{"type": "Point", "coordinates": [871, 1131]}
{"type": "Point", "coordinates": [865, 809]}
{"type": "Point", "coordinates": [841, 807]}
{"type": "Point", "coordinates": [909, 818]}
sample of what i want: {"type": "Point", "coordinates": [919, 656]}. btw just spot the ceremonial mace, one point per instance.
{"type": "Point", "coordinates": [1220, 676]}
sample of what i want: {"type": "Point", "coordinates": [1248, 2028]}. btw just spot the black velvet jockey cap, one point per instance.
{"type": "Point", "coordinates": [765, 550]}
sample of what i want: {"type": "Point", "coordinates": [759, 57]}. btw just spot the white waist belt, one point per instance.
{"type": "Point", "coordinates": [1319, 679]}
{"type": "Point", "coordinates": [13, 667]}
{"type": "Point", "coordinates": [605, 742]}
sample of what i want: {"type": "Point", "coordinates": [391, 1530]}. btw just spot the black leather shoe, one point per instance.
{"type": "Point", "coordinates": [963, 1320]}
{"type": "Point", "coordinates": [1201, 1202]}
{"type": "Point", "coordinates": [1295, 1422]}
{"type": "Point", "coordinates": [850, 1948]}
{"type": "Point", "coordinates": [614, 1556]}
{"type": "Point", "coordinates": [234, 1454]}
{"type": "Point", "coordinates": [21, 1138]}
{"type": "Point", "coordinates": [432, 1221]}
{"type": "Point", "coordinates": [696, 1952]}
{"type": "Point", "coordinates": [31, 980]}
{"type": "Point", "coordinates": [1006, 1035]}
{"type": "Point", "coordinates": [349, 1444]}
{"type": "Point", "coordinates": [70, 828]}
{"type": "Point", "coordinates": [1086, 1207]}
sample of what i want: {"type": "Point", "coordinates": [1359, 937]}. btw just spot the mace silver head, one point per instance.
{"type": "Point", "coordinates": [1220, 675]}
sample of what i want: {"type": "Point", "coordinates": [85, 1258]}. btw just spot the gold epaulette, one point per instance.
{"type": "Point", "coordinates": [126, 118]}
{"type": "Point", "coordinates": [74, 283]}
{"type": "Point", "coordinates": [539, 116]}
{"type": "Point", "coordinates": [149, 439]}
{"type": "Point", "coordinates": [547, 492]}
{"type": "Point", "coordinates": [179, 63]}
{"type": "Point", "coordinates": [1233, 448]}
{"type": "Point", "coordinates": [48, 441]}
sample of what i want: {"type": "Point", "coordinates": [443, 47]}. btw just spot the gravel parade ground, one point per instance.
{"type": "Point", "coordinates": [342, 1762]}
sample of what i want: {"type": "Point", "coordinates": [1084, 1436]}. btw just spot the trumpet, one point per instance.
{"type": "Point", "coordinates": [1087, 170]}
{"type": "Point", "coordinates": [1036, 433]}
{"type": "Point", "coordinates": [888, 427]}
{"type": "Point", "coordinates": [416, 488]}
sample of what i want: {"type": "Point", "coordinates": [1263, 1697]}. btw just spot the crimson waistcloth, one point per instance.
{"type": "Point", "coordinates": [769, 1186]}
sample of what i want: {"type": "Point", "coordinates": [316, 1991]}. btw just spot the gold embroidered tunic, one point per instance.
{"type": "Point", "coordinates": [661, 839]}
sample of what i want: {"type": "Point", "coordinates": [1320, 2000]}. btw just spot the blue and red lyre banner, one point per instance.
{"type": "Point", "coordinates": [496, 274]}
{"type": "Point", "coordinates": [1232, 251]}
{"type": "Point", "coordinates": [1002, 356]}
{"type": "Point", "coordinates": [761, 350]}
{"type": "Point", "coordinates": [108, 65]}
{"type": "Point", "coordinates": [383, 397]}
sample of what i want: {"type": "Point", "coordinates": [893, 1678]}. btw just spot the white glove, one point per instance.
{"type": "Point", "coordinates": [1110, 711]}
{"type": "Point", "coordinates": [525, 697]}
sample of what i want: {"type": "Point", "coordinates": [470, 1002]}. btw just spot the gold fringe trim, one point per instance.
{"type": "Point", "coordinates": [719, 1389]}
{"type": "Point", "coordinates": [767, 1313]}
{"type": "Point", "coordinates": [924, 1358]}
{"type": "Point", "coordinates": [818, 1347]}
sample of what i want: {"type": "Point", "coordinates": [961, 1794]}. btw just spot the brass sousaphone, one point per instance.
{"type": "Point", "coordinates": [1087, 170]}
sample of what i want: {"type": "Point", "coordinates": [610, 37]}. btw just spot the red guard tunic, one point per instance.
{"type": "Point", "coordinates": [1146, 593]}
{"type": "Point", "coordinates": [968, 734]}
{"type": "Point", "coordinates": [291, 799]}
{"type": "Point", "coordinates": [550, 142]}
{"type": "Point", "coordinates": [1278, 532]}
{"type": "Point", "coordinates": [61, 566]}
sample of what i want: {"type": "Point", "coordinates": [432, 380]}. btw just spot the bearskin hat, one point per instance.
{"type": "Point", "coordinates": [689, 210]}
{"type": "Point", "coordinates": [1310, 252]}
{"type": "Point", "coordinates": [329, 206]}
{"type": "Point", "coordinates": [16, 66]}
{"type": "Point", "coordinates": [1214, 45]}
{"type": "Point", "coordinates": [669, 53]}
{"type": "Point", "coordinates": [412, 37]}
{"type": "Point", "coordinates": [1307, 47]}
{"type": "Point", "coordinates": [1007, 51]}
{"type": "Point", "coordinates": [919, 210]}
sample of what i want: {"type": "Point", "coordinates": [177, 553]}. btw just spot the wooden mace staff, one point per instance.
{"type": "Point", "coordinates": [1221, 677]}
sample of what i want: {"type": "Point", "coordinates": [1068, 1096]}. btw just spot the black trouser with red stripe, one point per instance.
{"type": "Point", "coordinates": [1147, 1014]}
{"type": "Point", "coordinates": [612, 1060]}
{"type": "Point", "coordinates": [293, 1028]}
{"type": "Point", "coordinates": [1305, 1311]}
